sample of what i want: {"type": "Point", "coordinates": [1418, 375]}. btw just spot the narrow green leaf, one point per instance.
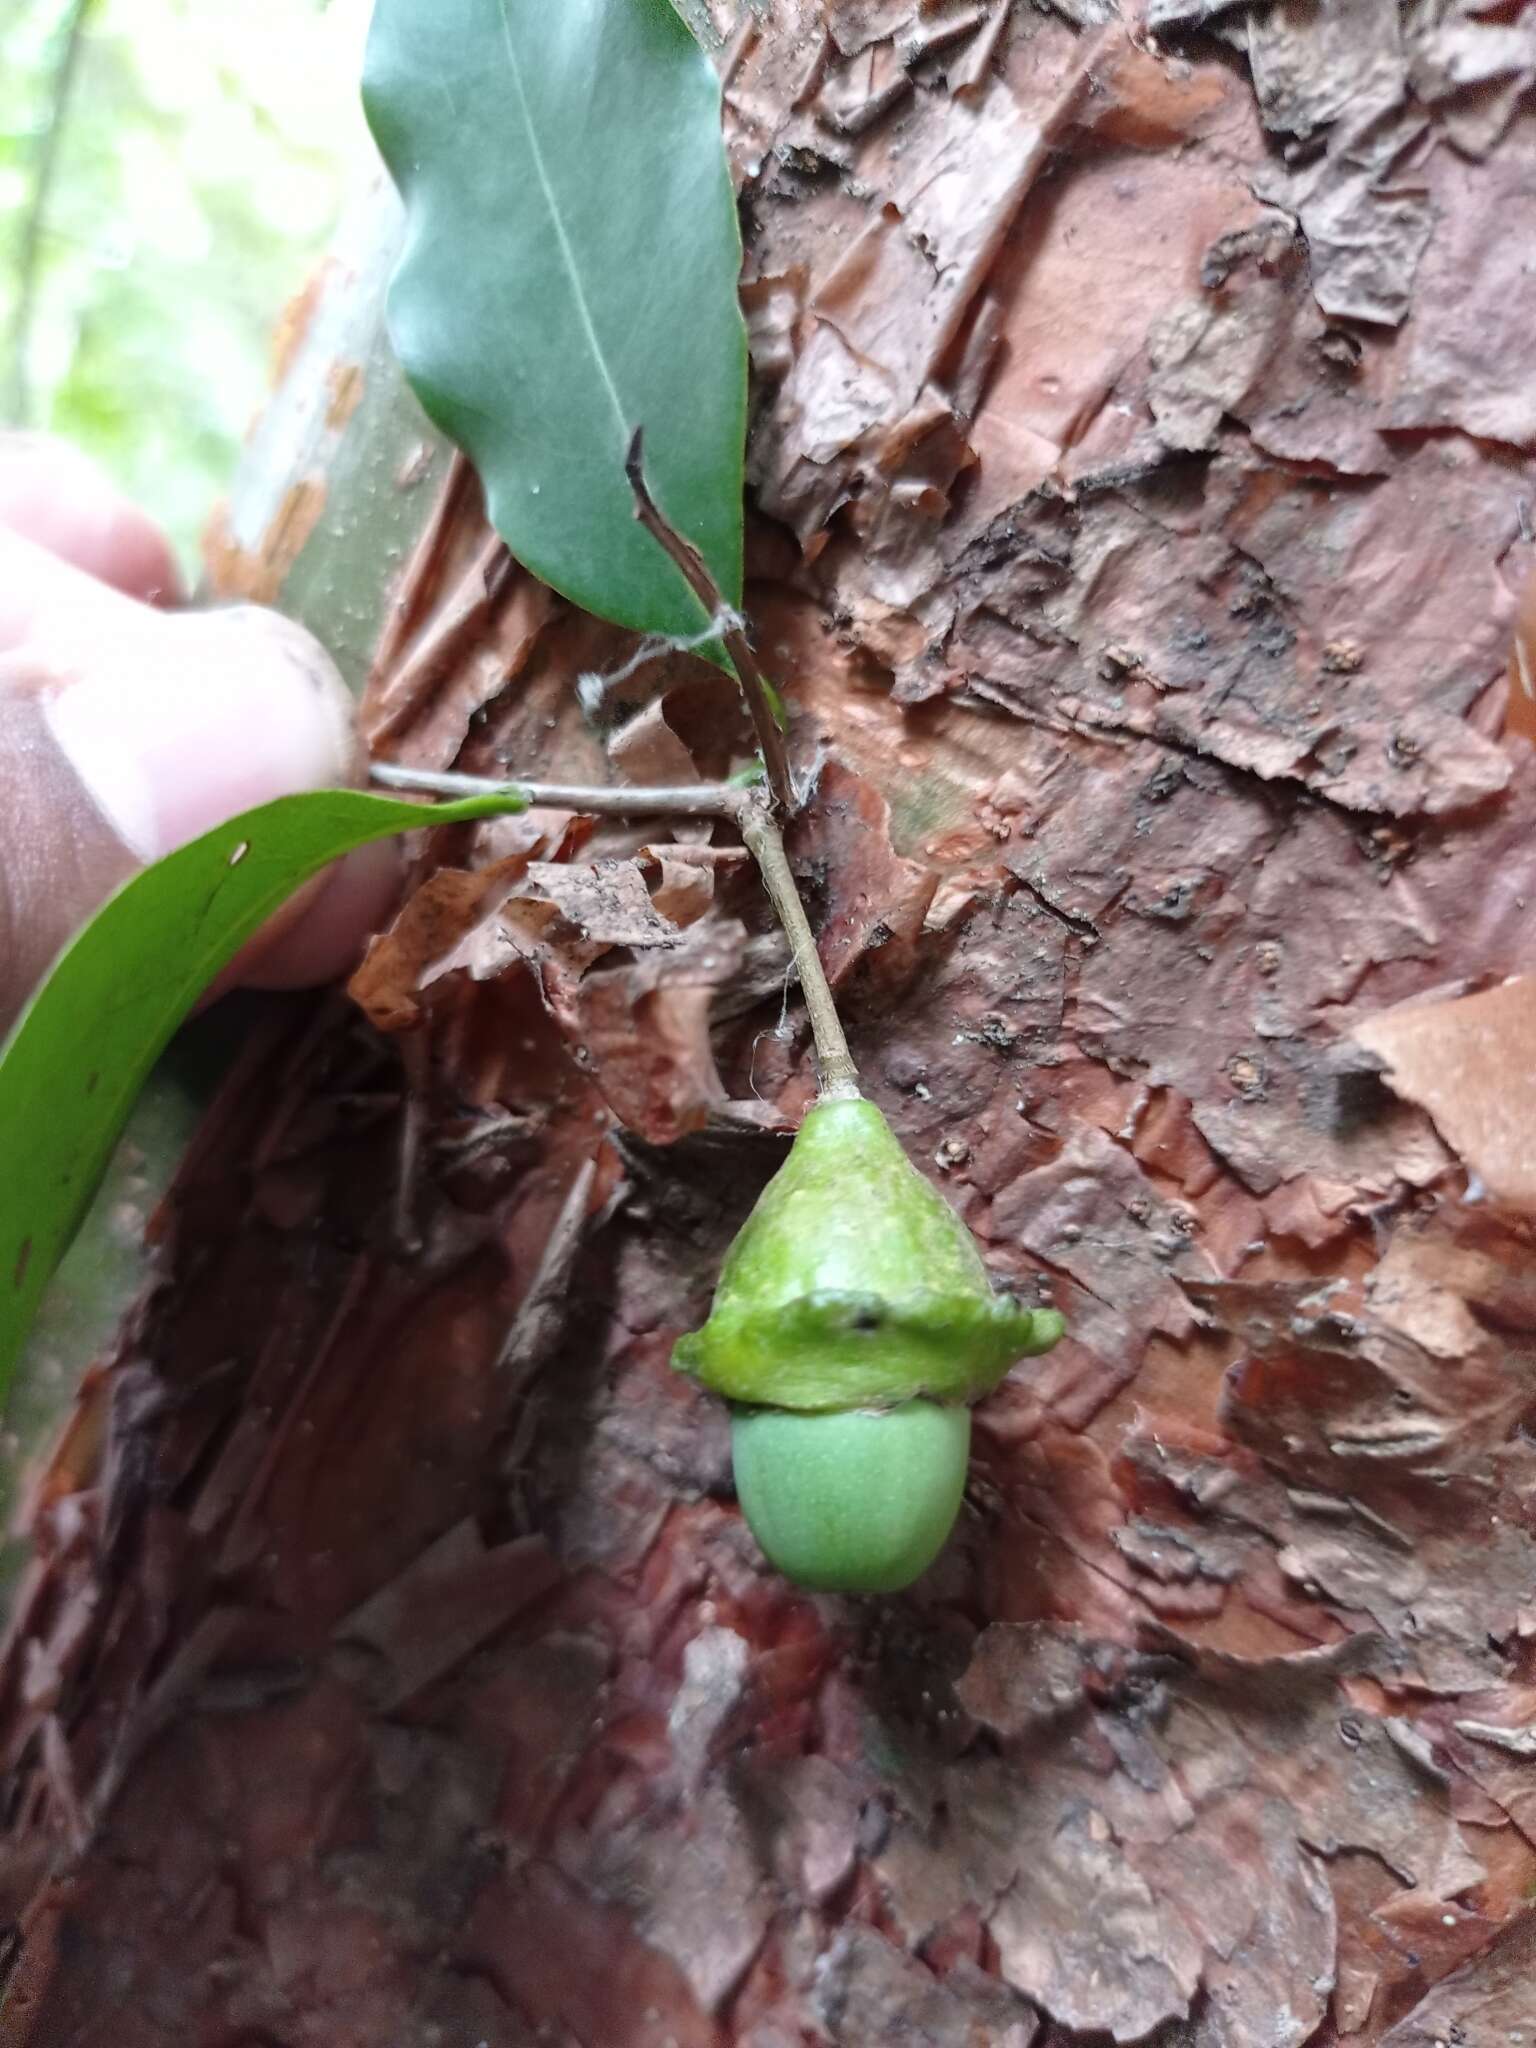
{"type": "Point", "coordinates": [569, 274]}
{"type": "Point", "coordinates": [80, 1052]}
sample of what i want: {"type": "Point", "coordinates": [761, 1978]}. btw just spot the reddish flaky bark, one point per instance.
{"type": "Point", "coordinates": [1140, 453]}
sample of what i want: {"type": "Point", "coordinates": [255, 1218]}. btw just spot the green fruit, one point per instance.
{"type": "Point", "coordinates": [854, 1503]}
{"type": "Point", "coordinates": [853, 1324]}
{"type": "Point", "coordinates": [853, 1284]}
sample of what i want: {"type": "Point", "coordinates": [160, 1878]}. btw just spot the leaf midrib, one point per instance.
{"type": "Point", "coordinates": [568, 254]}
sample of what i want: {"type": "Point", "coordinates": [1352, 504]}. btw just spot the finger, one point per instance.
{"type": "Point", "coordinates": [59, 499]}
{"type": "Point", "coordinates": [46, 600]}
{"type": "Point", "coordinates": [124, 733]}
{"type": "Point", "coordinates": [319, 935]}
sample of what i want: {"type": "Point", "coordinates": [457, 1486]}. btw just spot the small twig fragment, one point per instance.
{"type": "Point", "coordinates": [690, 563]}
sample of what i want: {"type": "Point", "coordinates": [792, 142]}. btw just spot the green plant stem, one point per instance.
{"type": "Point", "coordinates": [753, 816]}
{"type": "Point", "coordinates": [754, 686]}
{"type": "Point", "coordinates": [688, 800]}
{"type": "Point", "coordinates": [29, 242]}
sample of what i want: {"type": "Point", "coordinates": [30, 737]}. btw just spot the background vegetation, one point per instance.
{"type": "Point", "coordinates": [191, 157]}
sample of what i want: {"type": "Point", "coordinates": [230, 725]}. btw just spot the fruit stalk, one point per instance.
{"type": "Point", "coordinates": [837, 1075]}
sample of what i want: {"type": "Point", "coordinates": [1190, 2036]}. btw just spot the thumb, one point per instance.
{"type": "Point", "coordinates": [125, 732]}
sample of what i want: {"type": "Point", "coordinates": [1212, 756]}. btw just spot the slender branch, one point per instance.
{"type": "Point", "coordinates": [690, 800]}
{"type": "Point", "coordinates": [754, 684]}
{"type": "Point", "coordinates": [29, 240]}
{"type": "Point", "coordinates": [839, 1075]}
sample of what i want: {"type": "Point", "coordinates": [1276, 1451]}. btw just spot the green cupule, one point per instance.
{"type": "Point", "coordinates": [853, 1325]}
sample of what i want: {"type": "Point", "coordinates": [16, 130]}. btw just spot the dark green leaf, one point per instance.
{"type": "Point", "coordinates": [569, 274]}
{"type": "Point", "coordinates": [80, 1052]}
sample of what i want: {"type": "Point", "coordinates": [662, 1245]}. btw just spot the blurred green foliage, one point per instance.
{"type": "Point", "coordinates": [203, 149]}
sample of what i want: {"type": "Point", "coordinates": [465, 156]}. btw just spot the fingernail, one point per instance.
{"type": "Point", "coordinates": [186, 721]}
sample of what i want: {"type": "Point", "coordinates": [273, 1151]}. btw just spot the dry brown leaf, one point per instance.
{"type": "Point", "coordinates": [646, 1032]}
{"type": "Point", "coordinates": [402, 962]}
{"type": "Point", "coordinates": [605, 902]}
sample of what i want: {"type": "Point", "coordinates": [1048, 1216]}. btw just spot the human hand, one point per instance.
{"type": "Point", "coordinates": [128, 728]}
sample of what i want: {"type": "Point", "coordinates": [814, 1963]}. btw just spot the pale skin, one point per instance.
{"type": "Point", "coordinates": [129, 724]}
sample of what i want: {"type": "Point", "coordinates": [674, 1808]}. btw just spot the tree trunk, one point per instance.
{"type": "Point", "coordinates": [1138, 455]}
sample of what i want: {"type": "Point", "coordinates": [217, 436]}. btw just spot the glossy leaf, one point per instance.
{"type": "Point", "coordinates": [81, 1050]}
{"type": "Point", "coordinates": [570, 274]}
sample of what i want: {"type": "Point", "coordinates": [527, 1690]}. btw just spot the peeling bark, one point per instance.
{"type": "Point", "coordinates": [1140, 439]}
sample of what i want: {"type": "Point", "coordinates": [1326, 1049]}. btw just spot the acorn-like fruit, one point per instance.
{"type": "Point", "coordinates": [852, 1327]}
